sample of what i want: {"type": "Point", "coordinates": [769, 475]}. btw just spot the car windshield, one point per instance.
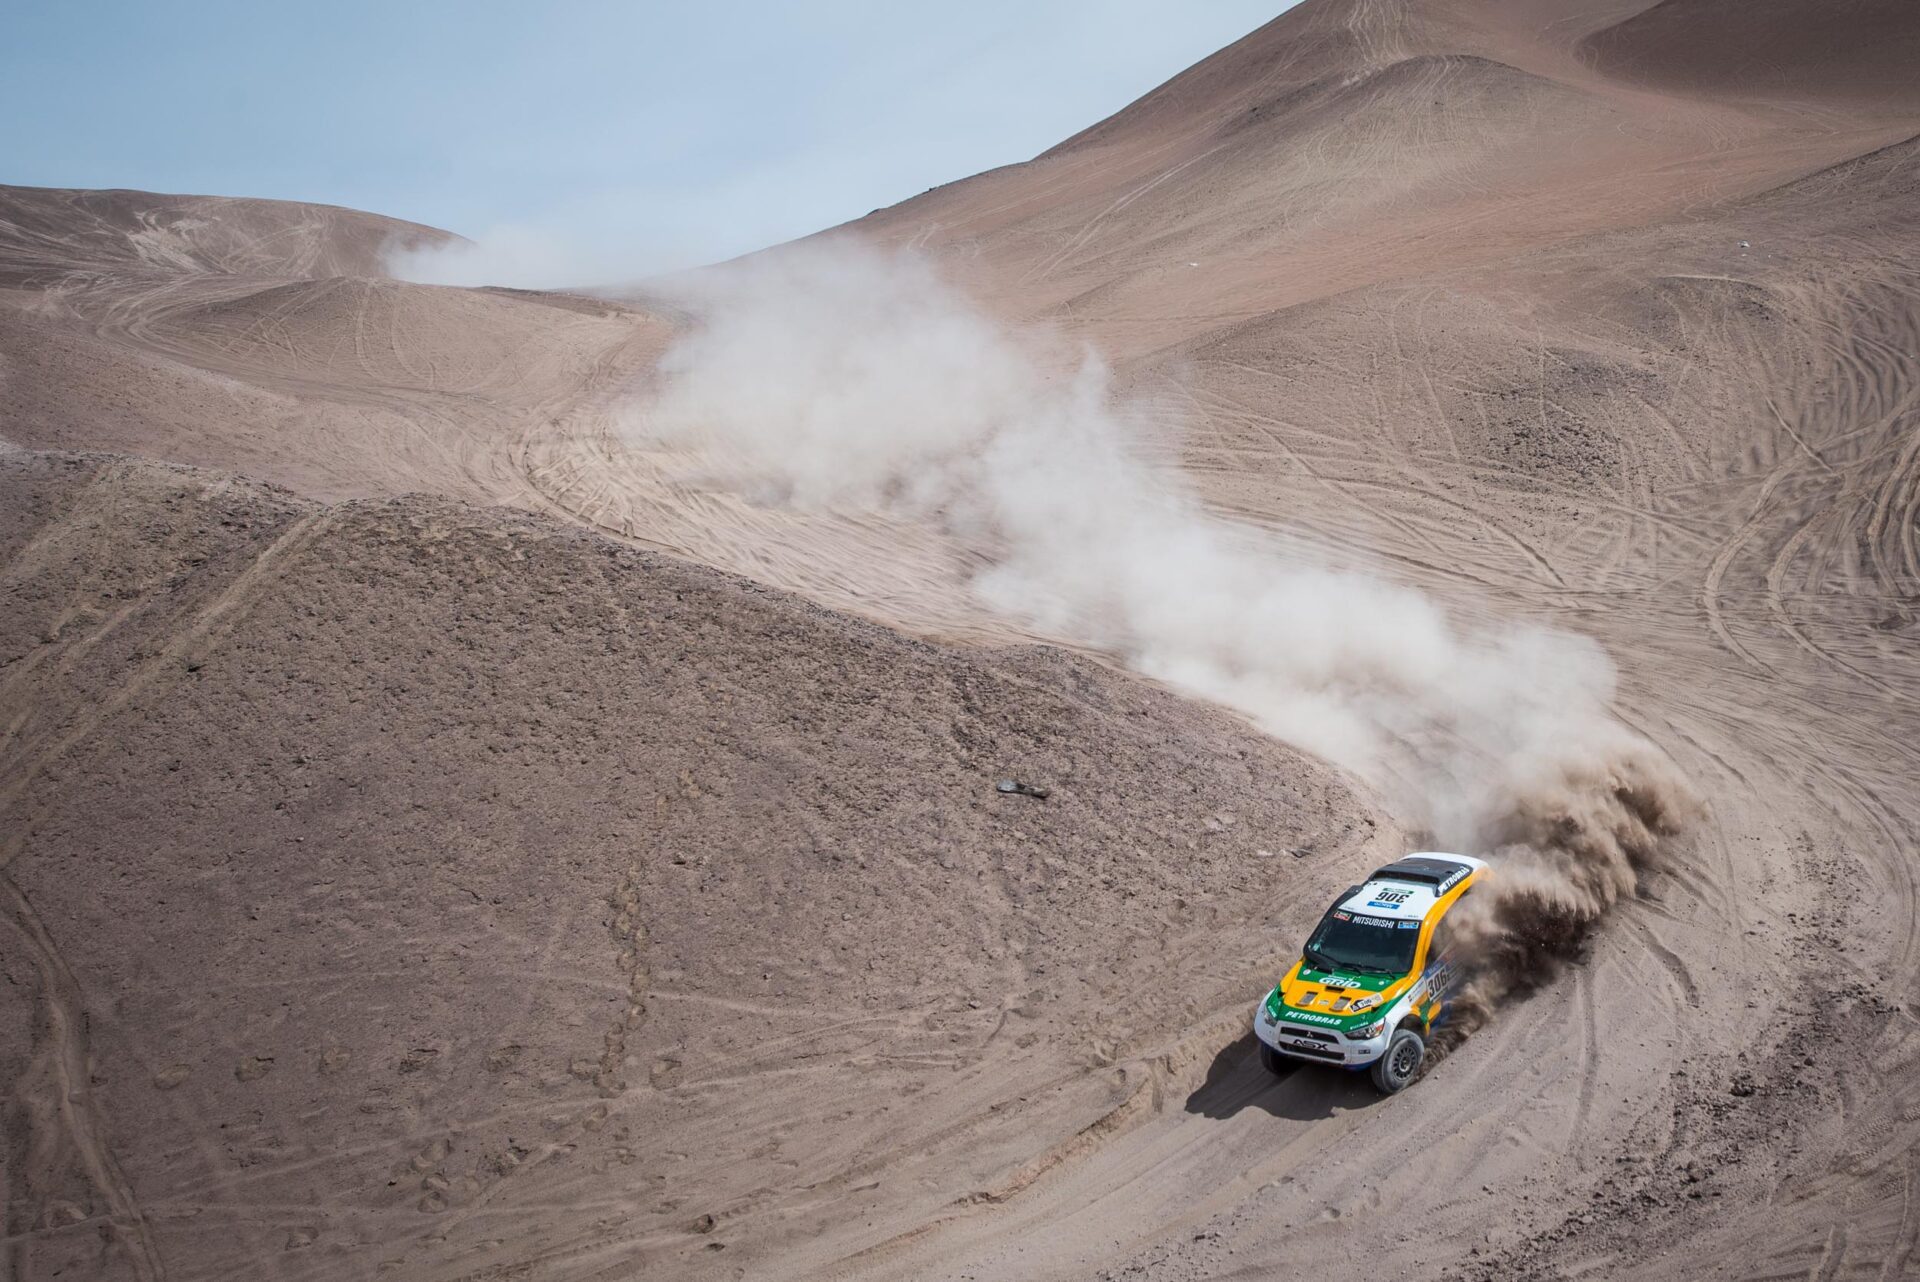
{"type": "Point", "coordinates": [1354, 941]}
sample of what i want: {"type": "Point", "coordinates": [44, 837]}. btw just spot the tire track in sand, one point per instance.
{"type": "Point", "coordinates": [56, 1096]}
{"type": "Point", "coordinates": [197, 638]}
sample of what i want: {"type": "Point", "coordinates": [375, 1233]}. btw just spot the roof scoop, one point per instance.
{"type": "Point", "coordinates": [1425, 870]}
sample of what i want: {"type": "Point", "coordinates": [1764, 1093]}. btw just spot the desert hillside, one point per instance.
{"type": "Point", "coordinates": [50, 234]}
{"type": "Point", "coordinates": [452, 826]}
{"type": "Point", "coordinates": [379, 872]}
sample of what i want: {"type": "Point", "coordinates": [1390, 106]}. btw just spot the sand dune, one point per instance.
{"type": "Point", "coordinates": [254, 351]}
{"type": "Point", "coordinates": [456, 883]}
{"type": "Point", "coordinates": [48, 232]}
{"type": "Point", "coordinates": [447, 860]}
{"type": "Point", "coordinates": [1859, 52]}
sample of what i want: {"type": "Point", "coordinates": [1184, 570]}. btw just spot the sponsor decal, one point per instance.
{"type": "Point", "coordinates": [1454, 880]}
{"type": "Point", "coordinates": [1311, 1018]}
{"type": "Point", "coordinates": [1375, 903]}
{"type": "Point", "coordinates": [1383, 922]}
{"type": "Point", "coordinates": [1408, 925]}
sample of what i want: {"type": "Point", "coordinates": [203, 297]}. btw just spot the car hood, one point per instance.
{"type": "Point", "coordinates": [1332, 998]}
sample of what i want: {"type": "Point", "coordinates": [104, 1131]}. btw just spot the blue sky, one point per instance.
{"type": "Point", "coordinates": [601, 138]}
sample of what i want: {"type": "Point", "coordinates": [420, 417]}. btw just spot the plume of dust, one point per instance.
{"type": "Point", "coordinates": [1570, 840]}
{"type": "Point", "coordinates": [517, 257]}
{"type": "Point", "coordinates": [526, 256]}
{"type": "Point", "coordinates": [832, 375]}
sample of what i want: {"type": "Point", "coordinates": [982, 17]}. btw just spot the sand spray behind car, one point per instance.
{"type": "Point", "coordinates": [835, 376]}
{"type": "Point", "coordinates": [1568, 847]}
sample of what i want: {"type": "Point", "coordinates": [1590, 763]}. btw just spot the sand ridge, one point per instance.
{"type": "Point", "coordinates": [473, 844]}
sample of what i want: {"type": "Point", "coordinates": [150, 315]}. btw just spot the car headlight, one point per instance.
{"type": "Point", "coordinates": [1366, 1032]}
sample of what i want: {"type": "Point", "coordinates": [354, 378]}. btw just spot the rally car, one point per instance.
{"type": "Point", "coordinates": [1375, 975]}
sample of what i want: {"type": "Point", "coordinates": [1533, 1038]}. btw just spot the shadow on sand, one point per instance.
{"type": "Point", "coordinates": [1308, 1093]}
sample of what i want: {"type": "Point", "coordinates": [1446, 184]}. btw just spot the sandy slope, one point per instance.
{"type": "Point", "coordinates": [1598, 314]}
{"type": "Point", "coordinates": [51, 234]}
{"type": "Point", "coordinates": [1605, 409]}
{"type": "Point", "coordinates": [405, 884]}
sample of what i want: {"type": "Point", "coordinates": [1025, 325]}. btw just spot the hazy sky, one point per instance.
{"type": "Point", "coordinates": [583, 136]}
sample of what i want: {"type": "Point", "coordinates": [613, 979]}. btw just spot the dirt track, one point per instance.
{"type": "Point", "coordinates": [1495, 294]}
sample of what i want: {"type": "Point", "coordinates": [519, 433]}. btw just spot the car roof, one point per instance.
{"type": "Point", "coordinates": [1431, 867]}
{"type": "Point", "coordinates": [1409, 888]}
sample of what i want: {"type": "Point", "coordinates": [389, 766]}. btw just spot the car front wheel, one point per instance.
{"type": "Point", "coordinates": [1274, 1062]}
{"type": "Point", "coordinates": [1397, 1068]}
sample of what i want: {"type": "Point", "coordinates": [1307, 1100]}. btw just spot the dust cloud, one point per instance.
{"type": "Point", "coordinates": [516, 257]}
{"type": "Point", "coordinates": [524, 256]}
{"type": "Point", "coordinates": [838, 376]}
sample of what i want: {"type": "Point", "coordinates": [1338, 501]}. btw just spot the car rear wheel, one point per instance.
{"type": "Point", "coordinates": [1274, 1062]}
{"type": "Point", "coordinates": [1396, 1069]}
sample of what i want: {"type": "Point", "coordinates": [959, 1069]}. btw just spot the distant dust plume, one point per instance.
{"type": "Point", "coordinates": [838, 376]}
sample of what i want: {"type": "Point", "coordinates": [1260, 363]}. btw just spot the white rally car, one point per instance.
{"type": "Point", "coordinates": [1375, 975]}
